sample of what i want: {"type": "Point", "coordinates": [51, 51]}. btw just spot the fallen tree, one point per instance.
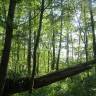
{"type": "Point", "coordinates": [23, 84]}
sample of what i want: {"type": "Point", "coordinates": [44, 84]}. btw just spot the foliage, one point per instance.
{"type": "Point", "coordinates": [69, 18]}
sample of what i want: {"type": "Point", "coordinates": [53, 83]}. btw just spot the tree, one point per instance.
{"type": "Point", "coordinates": [7, 45]}
{"type": "Point", "coordinates": [42, 31]}
{"type": "Point", "coordinates": [37, 43]}
{"type": "Point", "coordinates": [53, 38]}
{"type": "Point", "coordinates": [92, 26]}
{"type": "Point", "coordinates": [59, 50]}
{"type": "Point", "coordinates": [23, 84]}
{"type": "Point", "coordinates": [29, 46]}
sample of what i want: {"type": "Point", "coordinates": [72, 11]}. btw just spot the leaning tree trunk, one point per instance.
{"type": "Point", "coordinates": [7, 45]}
{"type": "Point", "coordinates": [21, 85]}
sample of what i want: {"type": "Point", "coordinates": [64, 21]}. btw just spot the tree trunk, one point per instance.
{"type": "Point", "coordinates": [7, 45]}
{"type": "Point", "coordinates": [23, 84]}
{"type": "Point", "coordinates": [36, 45]}
{"type": "Point", "coordinates": [53, 39]}
{"type": "Point", "coordinates": [29, 46]}
{"type": "Point", "coordinates": [37, 67]}
{"type": "Point", "coordinates": [67, 47]}
{"type": "Point", "coordinates": [86, 36]}
{"type": "Point", "coordinates": [93, 30]}
{"type": "Point", "coordinates": [58, 57]}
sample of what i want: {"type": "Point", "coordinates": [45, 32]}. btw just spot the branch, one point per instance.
{"type": "Point", "coordinates": [23, 84]}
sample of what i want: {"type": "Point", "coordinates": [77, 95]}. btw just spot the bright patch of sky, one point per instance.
{"type": "Point", "coordinates": [76, 19]}
{"type": "Point", "coordinates": [75, 36]}
{"type": "Point", "coordinates": [57, 12]}
{"type": "Point", "coordinates": [94, 3]}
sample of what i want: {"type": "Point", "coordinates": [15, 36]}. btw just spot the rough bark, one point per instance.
{"type": "Point", "coordinates": [23, 84]}
{"type": "Point", "coordinates": [7, 45]}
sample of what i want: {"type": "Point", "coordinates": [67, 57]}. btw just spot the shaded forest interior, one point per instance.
{"type": "Point", "coordinates": [45, 41]}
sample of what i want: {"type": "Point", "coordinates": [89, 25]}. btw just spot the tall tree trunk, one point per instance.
{"type": "Point", "coordinates": [29, 49]}
{"type": "Point", "coordinates": [49, 55]}
{"type": "Point", "coordinates": [53, 39]}
{"type": "Point", "coordinates": [29, 46]}
{"type": "Point", "coordinates": [7, 45]}
{"type": "Point", "coordinates": [79, 53]}
{"type": "Point", "coordinates": [86, 45]}
{"type": "Point", "coordinates": [37, 44]}
{"type": "Point", "coordinates": [92, 26]}
{"type": "Point", "coordinates": [67, 47]}
{"type": "Point", "coordinates": [17, 45]}
{"type": "Point", "coordinates": [53, 45]}
{"type": "Point", "coordinates": [58, 57]}
{"type": "Point", "coordinates": [72, 47]}
{"type": "Point", "coordinates": [67, 37]}
{"type": "Point", "coordinates": [37, 67]}
{"type": "Point", "coordinates": [48, 60]}
{"type": "Point", "coordinates": [85, 36]}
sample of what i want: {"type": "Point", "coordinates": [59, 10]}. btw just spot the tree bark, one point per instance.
{"type": "Point", "coordinates": [59, 51]}
{"type": "Point", "coordinates": [29, 46]}
{"type": "Point", "coordinates": [37, 44]}
{"type": "Point", "coordinates": [53, 38]}
{"type": "Point", "coordinates": [92, 26]}
{"type": "Point", "coordinates": [23, 84]}
{"type": "Point", "coordinates": [7, 45]}
{"type": "Point", "coordinates": [85, 36]}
